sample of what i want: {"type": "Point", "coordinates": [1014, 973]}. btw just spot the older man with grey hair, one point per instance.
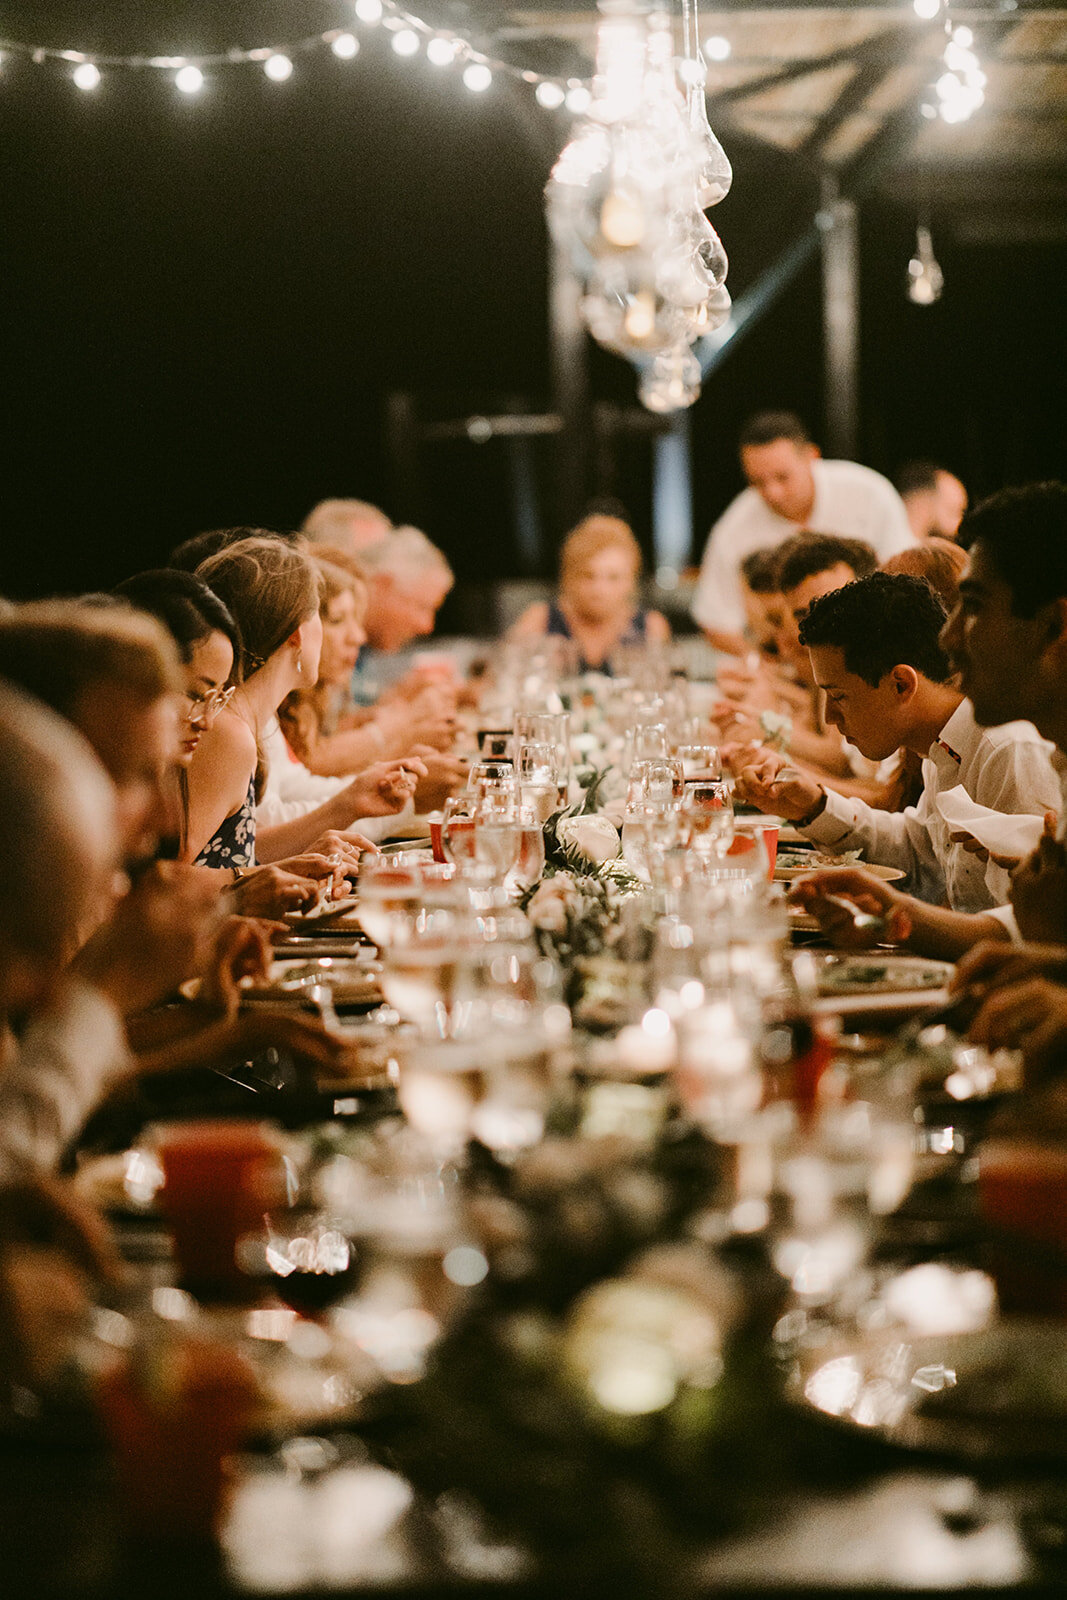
{"type": "Point", "coordinates": [351, 524]}
{"type": "Point", "coordinates": [408, 578]}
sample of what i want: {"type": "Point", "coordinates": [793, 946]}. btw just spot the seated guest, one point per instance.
{"type": "Point", "coordinates": [875, 652]}
{"type": "Point", "coordinates": [272, 591]}
{"type": "Point", "coordinates": [762, 601]}
{"type": "Point", "coordinates": [189, 555]}
{"type": "Point", "coordinates": [408, 578]}
{"type": "Point", "coordinates": [61, 848]}
{"type": "Point", "coordinates": [600, 564]}
{"type": "Point", "coordinates": [808, 565]}
{"type": "Point", "coordinates": [934, 499]}
{"type": "Point", "coordinates": [348, 525]}
{"type": "Point", "coordinates": [310, 717]}
{"type": "Point", "coordinates": [939, 561]}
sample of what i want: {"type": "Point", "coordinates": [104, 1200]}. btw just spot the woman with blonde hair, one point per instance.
{"type": "Point", "coordinates": [596, 607]}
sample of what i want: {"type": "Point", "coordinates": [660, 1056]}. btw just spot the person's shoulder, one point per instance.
{"type": "Point", "coordinates": [745, 512]}
{"type": "Point", "coordinates": [230, 740]}
{"type": "Point", "coordinates": [532, 621]}
{"type": "Point", "coordinates": [853, 474]}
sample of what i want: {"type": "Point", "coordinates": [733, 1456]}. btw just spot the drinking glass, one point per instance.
{"type": "Point", "coordinates": [490, 774]}
{"type": "Point", "coordinates": [389, 896]}
{"type": "Point", "coordinates": [538, 776]}
{"type": "Point", "coordinates": [496, 836]}
{"type": "Point", "coordinates": [432, 979]}
{"type": "Point", "coordinates": [708, 817]}
{"type": "Point", "coordinates": [457, 831]}
{"type": "Point", "coordinates": [657, 782]}
{"type": "Point", "coordinates": [699, 761]}
{"type": "Point", "coordinates": [530, 863]}
{"type": "Point", "coordinates": [548, 728]}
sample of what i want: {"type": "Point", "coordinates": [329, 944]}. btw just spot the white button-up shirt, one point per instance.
{"type": "Point", "coordinates": [850, 500]}
{"type": "Point", "coordinates": [1006, 769]}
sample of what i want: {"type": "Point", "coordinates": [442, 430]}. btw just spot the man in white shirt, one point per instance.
{"type": "Point", "coordinates": [875, 651]}
{"type": "Point", "coordinates": [790, 489]}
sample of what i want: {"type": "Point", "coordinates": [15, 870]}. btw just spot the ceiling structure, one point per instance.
{"type": "Point", "coordinates": [841, 88]}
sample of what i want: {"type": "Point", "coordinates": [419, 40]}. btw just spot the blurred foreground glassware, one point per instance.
{"type": "Point", "coordinates": [389, 897]}
{"type": "Point", "coordinates": [708, 818]}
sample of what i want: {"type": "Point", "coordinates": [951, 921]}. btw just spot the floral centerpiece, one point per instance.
{"type": "Point", "coordinates": [588, 909]}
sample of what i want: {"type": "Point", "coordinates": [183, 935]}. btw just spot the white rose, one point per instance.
{"type": "Point", "coordinates": [594, 837]}
{"type": "Point", "coordinates": [548, 905]}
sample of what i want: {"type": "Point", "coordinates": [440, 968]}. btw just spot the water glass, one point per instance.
{"type": "Point", "coordinates": [708, 817]}
{"type": "Point", "coordinates": [699, 760]}
{"type": "Point", "coordinates": [539, 778]}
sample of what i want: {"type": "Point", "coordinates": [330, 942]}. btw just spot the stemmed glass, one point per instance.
{"type": "Point", "coordinates": [699, 761]}
{"type": "Point", "coordinates": [389, 897]}
{"type": "Point", "coordinates": [708, 817]}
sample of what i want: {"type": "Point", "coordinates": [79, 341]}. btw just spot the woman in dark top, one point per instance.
{"type": "Point", "coordinates": [596, 606]}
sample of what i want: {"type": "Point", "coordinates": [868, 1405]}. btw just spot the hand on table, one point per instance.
{"type": "Point", "coordinates": [272, 891]}
{"type": "Point", "coordinates": [1039, 890]}
{"type": "Point", "coordinates": [993, 964]}
{"type": "Point", "coordinates": [860, 889]}
{"type": "Point", "coordinates": [771, 783]}
{"type": "Point", "coordinates": [348, 848]}
{"type": "Point", "coordinates": [386, 787]}
{"type": "Point", "coordinates": [1031, 1016]}
{"type": "Point", "coordinates": [157, 936]}
{"type": "Point", "coordinates": [303, 1037]}
{"type": "Point", "coordinates": [241, 950]}
{"type": "Point", "coordinates": [444, 775]}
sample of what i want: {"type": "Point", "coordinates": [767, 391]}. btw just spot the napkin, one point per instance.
{"type": "Point", "coordinates": [1001, 833]}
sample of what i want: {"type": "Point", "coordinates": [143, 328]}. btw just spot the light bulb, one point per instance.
{"type": "Point", "coordinates": [87, 75]}
{"type": "Point", "coordinates": [622, 221]}
{"type": "Point", "coordinates": [672, 382]}
{"type": "Point", "coordinates": [440, 52]}
{"type": "Point", "coordinates": [925, 278]}
{"type": "Point", "coordinates": [692, 74]}
{"type": "Point", "coordinates": [948, 86]}
{"type": "Point", "coordinates": [345, 46]}
{"type": "Point", "coordinates": [369, 10]}
{"type": "Point", "coordinates": [550, 95]}
{"type": "Point", "coordinates": [278, 68]}
{"type": "Point", "coordinates": [926, 9]}
{"type": "Point", "coordinates": [190, 80]}
{"type": "Point", "coordinates": [639, 323]}
{"type": "Point", "coordinates": [717, 48]}
{"type": "Point", "coordinates": [578, 99]}
{"type": "Point", "coordinates": [963, 36]}
{"type": "Point", "coordinates": [477, 77]}
{"type": "Point", "coordinates": [406, 42]}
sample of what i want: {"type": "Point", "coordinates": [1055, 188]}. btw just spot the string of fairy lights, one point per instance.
{"type": "Point", "coordinates": [409, 36]}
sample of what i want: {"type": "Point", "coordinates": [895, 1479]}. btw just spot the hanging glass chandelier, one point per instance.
{"type": "Point", "coordinates": [627, 197]}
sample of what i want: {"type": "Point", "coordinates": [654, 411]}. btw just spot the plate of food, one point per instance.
{"type": "Point", "coordinates": [882, 984]}
{"type": "Point", "coordinates": [794, 862]}
{"type": "Point", "coordinates": [879, 973]}
{"type": "Point", "coordinates": [322, 911]}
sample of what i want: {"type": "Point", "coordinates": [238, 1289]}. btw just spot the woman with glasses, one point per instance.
{"type": "Point", "coordinates": [208, 642]}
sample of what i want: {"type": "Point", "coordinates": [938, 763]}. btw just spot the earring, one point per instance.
{"type": "Point", "coordinates": [300, 662]}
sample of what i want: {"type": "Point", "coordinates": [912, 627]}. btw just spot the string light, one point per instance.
{"type": "Point", "coordinates": [926, 9]}
{"type": "Point", "coordinates": [477, 77]}
{"type": "Point", "coordinates": [717, 48]}
{"type": "Point", "coordinates": [408, 35]}
{"type": "Point", "coordinates": [550, 95]}
{"type": "Point", "coordinates": [189, 80]}
{"type": "Point", "coordinates": [925, 278]}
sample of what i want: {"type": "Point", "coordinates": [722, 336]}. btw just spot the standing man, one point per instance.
{"type": "Point", "coordinates": [791, 489]}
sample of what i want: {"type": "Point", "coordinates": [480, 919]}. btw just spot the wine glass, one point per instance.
{"type": "Point", "coordinates": [708, 817]}
{"type": "Point", "coordinates": [495, 774]}
{"type": "Point", "coordinates": [530, 863]}
{"type": "Point", "coordinates": [548, 728]}
{"type": "Point", "coordinates": [699, 760]}
{"type": "Point", "coordinates": [389, 896]}
{"type": "Point", "coordinates": [496, 836]}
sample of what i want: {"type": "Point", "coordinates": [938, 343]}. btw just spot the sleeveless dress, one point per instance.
{"type": "Point", "coordinates": [636, 633]}
{"type": "Point", "coordinates": [234, 845]}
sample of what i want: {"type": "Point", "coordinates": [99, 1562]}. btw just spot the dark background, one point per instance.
{"type": "Point", "coordinates": [204, 303]}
